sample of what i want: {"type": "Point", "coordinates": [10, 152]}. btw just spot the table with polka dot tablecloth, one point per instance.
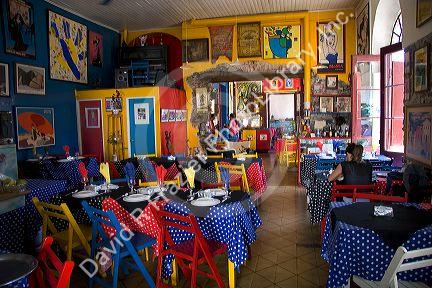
{"type": "Point", "coordinates": [233, 224]}
{"type": "Point", "coordinates": [307, 169]}
{"type": "Point", "coordinates": [351, 250]}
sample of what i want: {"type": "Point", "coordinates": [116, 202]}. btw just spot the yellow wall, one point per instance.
{"type": "Point", "coordinates": [175, 31]}
{"type": "Point", "coordinates": [126, 93]}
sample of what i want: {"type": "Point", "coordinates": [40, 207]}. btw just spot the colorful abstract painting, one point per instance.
{"type": "Point", "coordinates": [19, 29]}
{"type": "Point", "coordinates": [331, 47]}
{"type": "Point", "coordinates": [246, 93]}
{"type": "Point", "coordinates": [282, 42]}
{"type": "Point", "coordinates": [35, 127]}
{"type": "Point", "coordinates": [221, 38]}
{"type": "Point", "coordinates": [96, 49]}
{"type": "Point", "coordinates": [68, 49]}
{"type": "Point", "coordinates": [8, 161]}
{"type": "Point", "coordinates": [418, 141]}
{"type": "Point", "coordinates": [249, 40]}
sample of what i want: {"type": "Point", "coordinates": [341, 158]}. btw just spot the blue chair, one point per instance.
{"type": "Point", "coordinates": [124, 245]}
{"type": "Point", "coordinates": [325, 164]}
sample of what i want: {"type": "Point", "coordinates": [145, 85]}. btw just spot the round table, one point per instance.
{"type": "Point", "coordinates": [14, 269]}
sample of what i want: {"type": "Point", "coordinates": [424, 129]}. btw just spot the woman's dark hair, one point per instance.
{"type": "Point", "coordinates": [232, 115]}
{"type": "Point", "coordinates": [350, 148]}
{"type": "Point", "coordinates": [358, 153]}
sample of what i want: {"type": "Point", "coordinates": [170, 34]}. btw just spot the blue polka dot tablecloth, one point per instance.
{"type": "Point", "coordinates": [307, 169]}
{"type": "Point", "coordinates": [318, 197]}
{"type": "Point", "coordinates": [352, 250]}
{"type": "Point", "coordinates": [18, 228]}
{"type": "Point", "coordinates": [233, 224]}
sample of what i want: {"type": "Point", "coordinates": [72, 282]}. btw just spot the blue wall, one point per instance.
{"type": "Point", "coordinates": [59, 94]}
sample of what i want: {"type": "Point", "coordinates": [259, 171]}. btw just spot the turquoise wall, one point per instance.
{"type": "Point", "coordinates": [59, 94]}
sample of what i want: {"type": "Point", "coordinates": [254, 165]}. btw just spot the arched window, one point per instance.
{"type": "Point", "coordinates": [397, 30]}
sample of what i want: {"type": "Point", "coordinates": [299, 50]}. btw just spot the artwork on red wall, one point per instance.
{"type": "Point", "coordinates": [96, 48]}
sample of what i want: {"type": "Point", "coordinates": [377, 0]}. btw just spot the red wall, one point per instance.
{"type": "Point", "coordinates": [173, 99]}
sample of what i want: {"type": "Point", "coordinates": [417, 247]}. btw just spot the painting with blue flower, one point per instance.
{"type": "Point", "coordinates": [19, 29]}
{"type": "Point", "coordinates": [282, 42]}
{"type": "Point", "coordinates": [68, 49]}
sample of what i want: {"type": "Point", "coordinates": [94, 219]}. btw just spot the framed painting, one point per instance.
{"type": "Point", "coordinates": [326, 104]}
{"type": "Point", "coordinates": [19, 28]}
{"type": "Point", "coordinates": [92, 116]}
{"type": "Point", "coordinates": [343, 104]}
{"type": "Point", "coordinates": [424, 12]}
{"type": "Point", "coordinates": [110, 104]}
{"type": "Point", "coordinates": [35, 127]}
{"type": "Point", "coordinates": [221, 38]}
{"type": "Point", "coordinates": [142, 113]}
{"type": "Point", "coordinates": [246, 93]}
{"type": "Point", "coordinates": [172, 114]}
{"type": "Point", "coordinates": [418, 144]}
{"type": "Point", "coordinates": [282, 41]}
{"type": "Point", "coordinates": [195, 50]}
{"type": "Point", "coordinates": [331, 47]}
{"type": "Point", "coordinates": [164, 115]}
{"type": "Point", "coordinates": [421, 69]}
{"type": "Point", "coordinates": [29, 79]}
{"type": "Point", "coordinates": [332, 82]}
{"type": "Point", "coordinates": [201, 95]}
{"type": "Point", "coordinates": [67, 49]}
{"type": "Point", "coordinates": [4, 79]}
{"type": "Point", "coordinates": [249, 40]}
{"type": "Point", "coordinates": [96, 49]}
{"type": "Point", "coordinates": [363, 31]}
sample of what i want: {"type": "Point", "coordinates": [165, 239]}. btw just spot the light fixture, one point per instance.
{"type": "Point", "coordinates": [187, 65]}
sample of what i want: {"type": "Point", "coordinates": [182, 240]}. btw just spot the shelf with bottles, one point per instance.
{"type": "Point", "coordinates": [315, 145]}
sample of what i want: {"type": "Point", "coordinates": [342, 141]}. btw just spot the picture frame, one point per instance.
{"type": "Point", "coordinates": [421, 69]}
{"type": "Point", "coordinates": [363, 31]}
{"type": "Point", "coordinates": [343, 104]}
{"type": "Point", "coordinates": [164, 115]}
{"type": "Point", "coordinates": [407, 75]}
{"type": "Point", "coordinates": [282, 41]}
{"type": "Point", "coordinates": [92, 116]}
{"type": "Point", "coordinates": [418, 143]}
{"type": "Point", "coordinates": [35, 127]}
{"type": "Point", "coordinates": [4, 80]}
{"type": "Point", "coordinates": [142, 113]}
{"type": "Point", "coordinates": [331, 47]}
{"type": "Point", "coordinates": [172, 115]}
{"type": "Point", "coordinates": [326, 104]}
{"type": "Point", "coordinates": [201, 96]}
{"type": "Point", "coordinates": [289, 83]}
{"type": "Point", "coordinates": [423, 12]}
{"type": "Point", "coordinates": [249, 40]}
{"type": "Point", "coordinates": [332, 82]}
{"type": "Point", "coordinates": [29, 79]}
{"type": "Point", "coordinates": [19, 42]}
{"type": "Point", "coordinates": [197, 50]}
{"type": "Point", "coordinates": [109, 105]}
{"type": "Point", "coordinates": [75, 70]}
{"type": "Point", "coordinates": [96, 49]}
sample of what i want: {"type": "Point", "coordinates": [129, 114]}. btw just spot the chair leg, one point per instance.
{"type": "Point", "coordinates": [115, 270]}
{"type": "Point", "coordinates": [174, 273]}
{"type": "Point", "coordinates": [231, 274]}
{"type": "Point", "coordinates": [147, 254]}
{"type": "Point", "coordinates": [142, 269]}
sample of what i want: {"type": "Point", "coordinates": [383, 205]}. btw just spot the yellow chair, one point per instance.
{"type": "Point", "coordinates": [73, 236]}
{"type": "Point", "coordinates": [289, 153]}
{"type": "Point", "coordinates": [144, 155]}
{"type": "Point", "coordinates": [233, 170]}
{"type": "Point", "coordinates": [215, 156]}
{"type": "Point", "coordinates": [255, 155]}
{"type": "Point", "coordinates": [176, 182]}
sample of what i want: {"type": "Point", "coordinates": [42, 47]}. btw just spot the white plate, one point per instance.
{"type": "Point", "coordinates": [151, 190]}
{"type": "Point", "coordinates": [326, 157]}
{"type": "Point", "coordinates": [110, 187]}
{"type": "Point", "coordinates": [382, 174]}
{"type": "Point", "coordinates": [215, 192]}
{"type": "Point", "coordinates": [85, 194]}
{"type": "Point", "coordinates": [136, 198]}
{"type": "Point", "coordinates": [205, 202]}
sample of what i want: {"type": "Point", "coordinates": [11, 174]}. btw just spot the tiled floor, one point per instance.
{"type": "Point", "coordinates": [287, 252]}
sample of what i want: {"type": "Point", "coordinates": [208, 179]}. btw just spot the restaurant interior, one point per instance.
{"type": "Point", "coordinates": [222, 143]}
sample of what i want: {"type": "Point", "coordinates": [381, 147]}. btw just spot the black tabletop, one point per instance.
{"type": "Point", "coordinates": [15, 266]}
{"type": "Point", "coordinates": [394, 231]}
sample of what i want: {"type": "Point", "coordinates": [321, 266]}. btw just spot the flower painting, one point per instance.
{"type": "Point", "coordinates": [418, 141]}
{"type": "Point", "coordinates": [282, 42]}
{"type": "Point", "coordinates": [68, 49]}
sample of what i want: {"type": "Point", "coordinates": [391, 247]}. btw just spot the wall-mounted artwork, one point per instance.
{"type": "Point", "coordinates": [164, 115]}
{"type": "Point", "coordinates": [363, 31]}
{"type": "Point", "coordinates": [92, 116]}
{"type": "Point", "coordinates": [67, 48]}
{"type": "Point", "coordinates": [245, 95]}
{"type": "Point", "coordinates": [109, 105]}
{"type": "Point", "coordinates": [4, 79]}
{"type": "Point", "coordinates": [96, 49]}
{"type": "Point", "coordinates": [343, 104]}
{"type": "Point", "coordinates": [249, 40]}
{"type": "Point", "coordinates": [221, 38]}
{"type": "Point", "coordinates": [332, 81]}
{"type": "Point", "coordinates": [8, 161]}
{"type": "Point", "coordinates": [19, 29]}
{"type": "Point", "coordinates": [419, 133]}
{"type": "Point", "coordinates": [326, 104]}
{"type": "Point", "coordinates": [35, 127]}
{"type": "Point", "coordinates": [331, 47]}
{"type": "Point", "coordinates": [424, 12]}
{"type": "Point", "coordinates": [142, 113]}
{"type": "Point", "coordinates": [201, 96]}
{"type": "Point", "coordinates": [181, 115]}
{"type": "Point", "coordinates": [172, 115]}
{"type": "Point", "coordinates": [197, 50]}
{"type": "Point", "coordinates": [29, 79]}
{"type": "Point", "coordinates": [421, 69]}
{"type": "Point", "coordinates": [282, 41]}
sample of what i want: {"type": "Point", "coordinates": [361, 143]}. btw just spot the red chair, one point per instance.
{"type": "Point", "coordinates": [340, 191]}
{"type": "Point", "coordinates": [195, 251]}
{"type": "Point", "coordinates": [380, 198]}
{"type": "Point", "coordinates": [51, 272]}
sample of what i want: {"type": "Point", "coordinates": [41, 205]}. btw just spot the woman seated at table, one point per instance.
{"type": "Point", "coordinates": [354, 170]}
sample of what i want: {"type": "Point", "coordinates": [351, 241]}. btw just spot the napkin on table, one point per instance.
{"type": "Point", "coordinates": [160, 174]}
{"type": "Point", "coordinates": [129, 170]}
{"type": "Point", "coordinates": [225, 177]}
{"type": "Point", "coordinates": [190, 176]}
{"type": "Point", "coordinates": [104, 170]}
{"type": "Point", "coordinates": [83, 171]}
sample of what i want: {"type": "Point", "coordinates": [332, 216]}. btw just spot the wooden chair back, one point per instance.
{"type": "Point", "coordinates": [61, 212]}
{"type": "Point", "coordinates": [254, 155]}
{"type": "Point", "coordinates": [233, 170]}
{"type": "Point", "coordinates": [176, 182]}
{"type": "Point", "coordinates": [379, 198]}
